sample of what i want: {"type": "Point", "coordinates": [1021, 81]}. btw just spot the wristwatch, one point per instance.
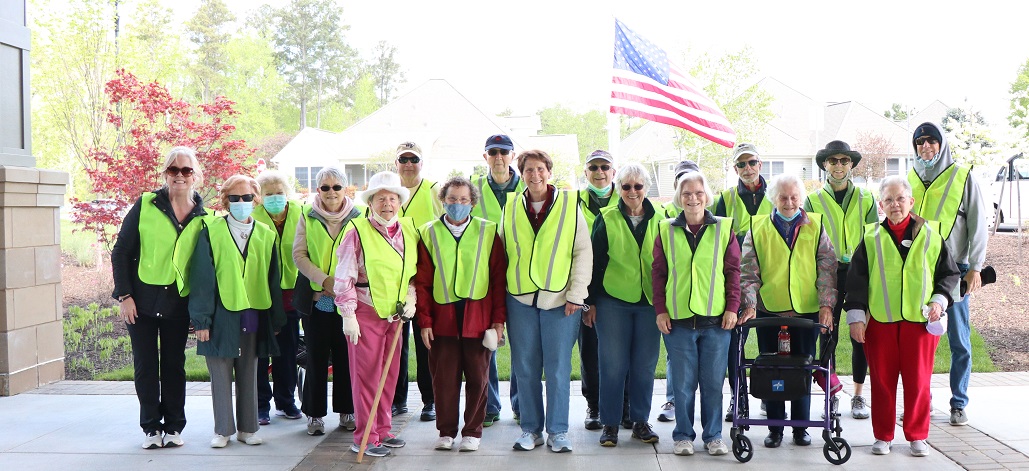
{"type": "Point", "coordinates": [123, 297]}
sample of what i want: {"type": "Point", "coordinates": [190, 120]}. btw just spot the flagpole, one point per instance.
{"type": "Point", "coordinates": [614, 130]}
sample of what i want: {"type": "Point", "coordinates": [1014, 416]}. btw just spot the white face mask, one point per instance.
{"type": "Point", "coordinates": [384, 222]}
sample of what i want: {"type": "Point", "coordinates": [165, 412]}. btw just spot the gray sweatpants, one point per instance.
{"type": "Point", "coordinates": [221, 371]}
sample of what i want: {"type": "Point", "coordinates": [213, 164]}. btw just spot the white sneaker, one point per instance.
{"type": "Point", "coordinates": [919, 448]}
{"type": "Point", "coordinates": [716, 447]}
{"type": "Point", "coordinates": [683, 448]}
{"type": "Point", "coordinates": [347, 422]}
{"type": "Point", "coordinates": [249, 438]}
{"type": "Point", "coordinates": [667, 412]}
{"type": "Point", "coordinates": [469, 444]}
{"type": "Point", "coordinates": [445, 443]}
{"type": "Point", "coordinates": [528, 441]}
{"type": "Point", "coordinates": [881, 447]}
{"type": "Point", "coordinates": [153, 441]}
{"type": "Point", "coordinates": [219, 441]}
{"type": "Point", "coordinates": [315, 426]}
{"type": "Point", "coordinates": [173, 439]}
{"type": "Point", "coordinates": [859, 408]}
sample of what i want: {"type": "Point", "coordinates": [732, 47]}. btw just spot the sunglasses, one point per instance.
{"type": "Point", "coordinates": [494, 151]}
{"type": "Point", "coordinates": [336, 187]}
{"type": "Point", "coordinates": [246, 198]}
{"type": "Point", "coordinates": [605, 167]}
{"type": "Point", "coordinates": [409, 160]}
{"type": "Point", "coordinates": [184, 171]}
{"type": "Point", "coordinates": [627, 187]}
{"type": "Point", "coordinates": [835, 161]}
{"type": "Point", "coordinates": [923, 139]}
{"type": "Point", "coordinates": [752, 163]}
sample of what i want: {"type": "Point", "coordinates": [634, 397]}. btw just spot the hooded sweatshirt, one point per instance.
{"type": "Point", "coordinates": [967, 242]}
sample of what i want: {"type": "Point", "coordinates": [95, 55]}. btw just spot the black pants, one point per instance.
{"type": "Point", "coordinates": [323, 335]}
{"type": "Point", "coordinates": [284, 370]}
{"type": "Point", "coordinates": [858, 363]}
{"type": "Point", "coordinates": [422, 367]}
{"type": "Point", "coordinates": [802, 341]}
{"type": "Point", "coordinates": [159, 361]}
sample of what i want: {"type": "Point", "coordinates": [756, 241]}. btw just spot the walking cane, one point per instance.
{"type": "Point", "coordinates": [382, 385]}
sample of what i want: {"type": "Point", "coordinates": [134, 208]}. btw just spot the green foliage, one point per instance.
{"type": "Point", "coordinates": [970, 139]}
{"type": "Point", "coordinates": [899, 112]}
{"type": "Point", "coordinates": [208, 31]}
{"type": "Point", "coordinates": [90, 329]}
{"type": "Point", "coordinates": [250, 79]}
{"type": "Point", "coordinates": [480, 169]}
{"type": "Point", "coordinates": [1019, 117]}
{"type": "Point", "coordinates": [148, 46]}
{"type": "Point", "coordinates": [589, 128]}
{"type": "Point", "coordinates": [196, 369]}
{"type": "Point", "coordinates": [385, 70]}
{"type": "Point", "coordinates": [81, 245]}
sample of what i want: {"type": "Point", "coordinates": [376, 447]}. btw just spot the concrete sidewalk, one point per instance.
{"type": "Point", "coordinates": [93, 425]}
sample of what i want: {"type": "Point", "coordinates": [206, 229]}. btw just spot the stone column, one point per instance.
{"type": "Point", "coordinates": [31, 334]}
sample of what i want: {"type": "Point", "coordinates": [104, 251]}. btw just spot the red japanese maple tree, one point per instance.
{"type": "Point", "coordinates": [149, 122]}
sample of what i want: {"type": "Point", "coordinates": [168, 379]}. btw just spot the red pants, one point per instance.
{"type": "Point", "coordinates": [367, 362]}
{"type": "Point", "coordinates": [449, 358]}
{"type": "Point", "coordinates": [905, 349]}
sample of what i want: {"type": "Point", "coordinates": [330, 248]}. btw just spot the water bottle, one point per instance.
{"type": "Point", "coordinates": [784, 341]}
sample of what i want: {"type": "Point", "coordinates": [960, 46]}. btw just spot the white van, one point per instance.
{"type": "Point", "coordinates": [1006, 189]}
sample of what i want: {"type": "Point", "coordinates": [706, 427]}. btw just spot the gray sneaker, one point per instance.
{"type": "Point", "coordinates": [958, 417]}
{"type": "Point", "coordinates": [858, 407]}
{"type": "Point", "coordinates": [372, 450]}
{"type": "Point", "coordinates": [559, 443]}
{"type": "Point", "coordinates": [393, 442]}
{"type": "Point", "coordinates": [347, 422]}
{"type": "Point", "coordinates": [315, 426]}
{"type": "Point", "coordinates": [528, 441]}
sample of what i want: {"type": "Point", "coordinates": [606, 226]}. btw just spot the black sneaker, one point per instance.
{"type": "Point", "coordinates": [399, 410]}
{"type": "Point", "coordinates": [592, 421]}
{"type": "Point", "coordinates": [731, 410]}
{"type": "Point", "coordinates": [428, 412]}
{"type": "Point", "coordinates": [644, 433]}
{"type": "Point", "coordinates": [609, 437]}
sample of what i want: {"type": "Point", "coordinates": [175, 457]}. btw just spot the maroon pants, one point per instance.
{"type": "Point", "coordinates": [449, 359]}
{"type": "Point", "coordinates": [905, 349]}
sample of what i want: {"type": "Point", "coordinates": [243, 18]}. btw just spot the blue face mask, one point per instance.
{"type": "Point", "coordinates": [931, 162]}
{"type": "Point", "coordinates": [457, 211]}
{"type": "Point", "coordinates": [275, 204]}
{"type": "Point", "coordinates": [241, 210]}
{"type": "Point", "coordinates": [600, 192]}
{"type": "Point", "coordinates": [791, 218]}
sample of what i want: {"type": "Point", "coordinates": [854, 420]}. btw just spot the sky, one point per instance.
{"type": "Point", "coordinates": [529, 54]}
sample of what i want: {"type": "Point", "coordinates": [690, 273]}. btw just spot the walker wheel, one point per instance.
{"type": "Point", "coordinates": [742, 448]}
{"type": "Point", "coordinates": [837, 451]}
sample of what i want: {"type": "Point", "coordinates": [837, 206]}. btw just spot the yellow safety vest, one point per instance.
{"type": "Point", "coordinates": [242, 282]}
{"type": "Point", "coordinates": [898, 287]}
{"type": "Point", "coordinates": [184, 248]}
{"type": "Point", "coordinates": [389, 272]}
{"type": "Point", "coordinates": [788, 275]}
{"type": "Point", "coordinates": [489, 207]}
{"type": "Point", "coordinates": [942, 199]}
{"type": "Point", "coordinates": [157, 238]}
{"type": "Point", "coordinates": [669, 210]}
{"type": "Point", "coordinates": [737, 210]}
{"type": "Point", "coordinates": [846, 228]}
{"type": "Point", "coordinates": [696, 280]}
{"type": "Point", "coordinates": [420, 207]}
{"type": "Point", "coordinates": [584, 201]}
{"type": "Point", "coordinates": [461, 266]}
{"type": "Point", "coordinates": [628, 276]}
{"type": "Point", "coordinates": [321, 248]}
{"type": "Point", "coordinates": [539, 260]}
{"type": "Point", "coordinates": [287, 267]}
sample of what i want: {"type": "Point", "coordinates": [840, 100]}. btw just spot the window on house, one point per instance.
{"type": "Point", "coordinates": [771, 169]}
{"type": "Point", "coordinates": [306, 175]}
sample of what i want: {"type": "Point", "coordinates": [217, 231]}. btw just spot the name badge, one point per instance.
{"type": "Point", "coordinates": [906, 243]}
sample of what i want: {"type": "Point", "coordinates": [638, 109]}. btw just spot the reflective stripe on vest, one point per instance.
{"type": "Point", "coordinates": [242, 283]}
{"type": "Point", "coordinates": [888, 302]}
{"type": "Point", "coordinates": [489, 207]}
{"type": "Point", "coordinates": [387, 282]}
{"type": "Point", "coordinates": [157, 238]}
{"type": "Point", "coordinates": [846, 228]}
{"type": "Point", "coordinates": [942, 199]}
{"type": "Point", "coordinates": [461, 266]}
{"type": "Point", "coordinates": [783, 267]}
{"type": "Point", "coordinates": [420, 207]}
{"type": "Point", "coordinates": [584, 201]}
{"type": "Point", "coordinates": [738, 210]}
{"type": "Point", "coordinates": [543, 260]}
{"type": "Point", "coordinates": [321, 248]}
{"type": "Point", "coordinates": [287, 267]}
{"type": "Point", "coordinates": [628, 275]}
{"type": "Point", "coordinates": [692, 289]}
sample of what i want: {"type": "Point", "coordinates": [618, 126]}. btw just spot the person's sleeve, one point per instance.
{"type": "Point", "coordinates": [856, 301]}
{"type": "Point", "coordinates": [423, 279]}
{"type": "Point", "coordinates": [600, 259]}
{"type": "Point", "coordinates": [872, 216]}
{"type": "Point", "coordinates": [278, 311]}
{"type": "Point", "coordinates": [302, 258]}
{"type": "Point", "coordinates": [719, 207]}
{"type": "Point", "coordinates": [498, 282]}
{"type": "Point", "coordinates": [946, 279]}
{"type": "Point", "coordinates": [346, 274]}
{"type": "Point", "coordinates": [975, 223]}
{"type": "Point", "coordinates": [659, 277]}
{"type": "Point", "coordinates": [750, 274]}
{"type": "Point", "coordinates": [125, 252]}
{"type": "Point", "coordinates": [827, 265]}
{"type": "Point", "coordinates": [582, 262]}
{"type": "Point", "coordinates": [731, 272]}
{"type": "Point", "coordinates": [203, 284]}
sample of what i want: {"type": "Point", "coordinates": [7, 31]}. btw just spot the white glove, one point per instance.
{"type": "Point", "coordinates": [351, 329]}
{"type": "Point", "coordinates": [409, 304]}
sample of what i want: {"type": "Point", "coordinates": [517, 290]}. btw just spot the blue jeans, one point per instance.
{"type": "Point", "coordinates": [493, 389]}
{"type": "Point", "coordinates": [696, 358]}
{"type": "Point", "coordinates": [541, 341]}
{"type": "Point", "coordinates": [959, 333]}
{"type": "Point", "coordinates": [669, 390]}
{"type": "Point", "coordinates": [628, 344]}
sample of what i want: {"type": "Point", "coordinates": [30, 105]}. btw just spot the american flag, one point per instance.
{"type": "Point", "coordinates": [646, 85]}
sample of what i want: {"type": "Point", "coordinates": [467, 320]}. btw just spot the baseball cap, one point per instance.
{"type": "Point", "coordinates": [499, 141]}
{"type": "Point", "coordinates": [744, 148]}
{"type": "Point", "coordinates": [600, 155]}
{"type": "Point", "coordinates": [409, 148]}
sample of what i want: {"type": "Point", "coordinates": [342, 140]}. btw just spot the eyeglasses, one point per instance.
{"type": "Point", "coordinates": [246, 198]}
{"type": "Point", "coordinates": [494, 151]}
{"type": "Point", "coordinates": [835, 161]}
{"type": "Point", "coordinates": [627, 187]}
{"type": "Point", "coordinates": [752, 163]}
{"type": "Point", "coordinates": [336, 187]}
{"type": "Point", "coordinates": [458, 200]}
{"type": "Point", "coordinates": [605, 167]}
{"type": "Point", "coordinates": [924, 139]}
{"type": "Point", "coordinates": [698, 195]}
{"type": "Point", "coordinates": [898, 200]}
{"type": "Point", "coordinates": [184, 171]}
{"type": "Point", "coordinates": [409, 160]}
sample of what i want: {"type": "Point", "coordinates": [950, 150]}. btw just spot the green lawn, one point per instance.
{"type": "Point", "coordinates": [196, 368]}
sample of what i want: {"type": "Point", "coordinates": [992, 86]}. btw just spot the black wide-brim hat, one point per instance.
{"type": "Point", "coordinates": [837, 147]}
